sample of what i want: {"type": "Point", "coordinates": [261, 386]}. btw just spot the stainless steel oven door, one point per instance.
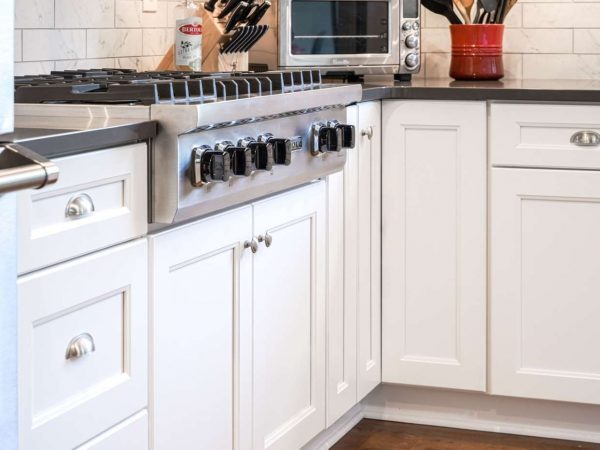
{"type": "Point", "coordinates": [339, 33]}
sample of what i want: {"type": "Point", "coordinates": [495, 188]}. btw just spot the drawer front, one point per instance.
{"type": "Point", "coordinates": [131, 434]}
{"type": "Point", "coordinates": [82, 346]}
{"type": "Point", "coordinates": [527, 135]}
{"type": "Point", "coordinates": [100, 199]}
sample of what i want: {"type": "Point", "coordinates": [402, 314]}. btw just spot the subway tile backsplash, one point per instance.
{"type": "Point", "coordinates": [543, 38]}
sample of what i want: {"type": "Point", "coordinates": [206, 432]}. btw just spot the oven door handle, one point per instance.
{"type": "Point", "coordinates": [22, 168]}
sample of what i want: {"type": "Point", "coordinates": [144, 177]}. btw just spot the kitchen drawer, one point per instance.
{"type": "Point", "coordinates": [95, 305]}
{"type": "Point", "coordinates": [539, 135]}
{"type": "Point", "coordinates": [131, 434]}
{"type": "Point", "coordinates": [113, 182]}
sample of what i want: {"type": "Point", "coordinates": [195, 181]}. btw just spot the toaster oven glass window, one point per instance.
{"type": "Point", "coordinates": [343, 27]}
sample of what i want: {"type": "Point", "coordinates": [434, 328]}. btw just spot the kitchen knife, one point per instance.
{"type": "Point", "coordinates": [232, 39]}
{"type": "Point", "coordinates": [246, 38]}
{"type": "Point", "coordinates": [236, 16]}
{"type": "Point", "coordinates": [249, 11]}
{"type": "Point", "coordinates": [259, 13]}
{"type": "Point", "coordinates": [444, 8]}
{"type": "Point", "coordinates": [243, 36]}
{"type": "Point", "coordinates": [262, 31]}
{"type": "Point", "coordinates": [229, 7]}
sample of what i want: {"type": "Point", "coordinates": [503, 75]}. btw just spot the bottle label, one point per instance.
{"type": "Point", "coordinates": [188, 42]}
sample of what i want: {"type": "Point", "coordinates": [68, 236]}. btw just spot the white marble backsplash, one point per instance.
{"type": "Point", "coordinates": [543, 39]}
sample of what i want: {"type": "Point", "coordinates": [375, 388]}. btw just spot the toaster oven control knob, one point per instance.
{"type": "Point", "coordinates": [209, 166]}
{"type": "Point", "coordinates": [412, 41]}
{"type": "Point", "coordinates": [406, 26]}
{"type": "Point", "coordinates": [241, 160]}
{"type": "Point", "coordinates": [282, 148]}
{"type": "Point", "coordinates": [325, 139]}
{"type": "Point", "coordinates": [411, 60]}
{"type": "Point", "coordinates": [345, 131]}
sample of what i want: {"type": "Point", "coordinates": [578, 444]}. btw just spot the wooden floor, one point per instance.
{"type": "Point", "coordinates": [380, 435]}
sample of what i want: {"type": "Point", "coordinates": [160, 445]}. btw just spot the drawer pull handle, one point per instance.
{"type": "Point", "coordinates": [80, 345]}
{"type": "Point", "coordinates": [586, 139]}
{"type": "Point", "coordinates": [80, 205]}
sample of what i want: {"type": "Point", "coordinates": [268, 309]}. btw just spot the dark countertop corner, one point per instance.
{"type": "Point", "coordinates": [55, 142]}
{"type": "Point", "coordinates": [576, 91]}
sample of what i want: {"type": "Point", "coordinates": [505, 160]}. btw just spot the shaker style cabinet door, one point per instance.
{"type": "Point", "coordinates": [288, 329]}
{"type": "Point", "coordinates": [545, 284]}
{"type": "Point", "coordinates": [434, 244]}
{"type": "Point", "coordinates": [202, 276]}
{"type": "Point", "coordinates": [368, 242]}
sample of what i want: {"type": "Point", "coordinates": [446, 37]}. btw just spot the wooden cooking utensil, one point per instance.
{"type": "Point", "coordinates": [462, 10]}
{"type": "Point", "coordinates": [468, 4]}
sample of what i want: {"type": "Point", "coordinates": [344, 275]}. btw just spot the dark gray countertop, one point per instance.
{"type": "Point", "coordinates": [57, 142]}
{"type": "Point", "coordinates": [587, 91]}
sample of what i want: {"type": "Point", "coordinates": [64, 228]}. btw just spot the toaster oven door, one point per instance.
{"type": "Point", "coordinates": [339, 32]}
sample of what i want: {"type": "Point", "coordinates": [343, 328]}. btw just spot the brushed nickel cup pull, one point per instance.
{"type": "Point", "coordinates": [586, 138]}
{"type": "Point", "coordinates": [267, 239]}
{"type": "Point", "coordinates": [368, 132]}
{"type": "Point", "coordinates": [80, 205]}
{"type": "Point", "coordinates": [252, 245]}
{"type": "Point", "coordinates": [80, 345]}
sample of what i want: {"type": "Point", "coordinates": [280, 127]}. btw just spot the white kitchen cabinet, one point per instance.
{"type": "Point", "coordinates": [239, 337]}
{"type": "Point", "coordinates": [354, 267]}
{"type": "Point", "coordinates": [83, 347]}
{"type": "Point", "coordinates": [131, 434]}
{"type": "Point", "coordinates": [202, 277]}
{"type": "Point", "coordinates": [545, 287]}
{"type": "Point", "coordinates": [288, 327]}
{"type": "Point", "coordinates": [434, 243]}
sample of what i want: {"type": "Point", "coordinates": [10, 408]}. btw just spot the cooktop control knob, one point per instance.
{"type": "Point", "coordinates": [240, 158]}
{"type": "Point", "coordinates": [209, 166]}
{"type": "Point", "coordinates": [412, 60]}
{"type": "Point", "coordinates": [412, 41]}
{"type": "Point", "coordinates": [261, 153]}
{"type": "Point", "coordinates": [325, 139]}
{"type": "Point", "coordinates": [282, 148]}
{"type": "Point", "coordinates": [346, 132]}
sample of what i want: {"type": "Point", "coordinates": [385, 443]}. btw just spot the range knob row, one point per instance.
{"type": "Point", "coordinates": [219, 164]}
{"type": "Point", "coordinates": [331, 137]}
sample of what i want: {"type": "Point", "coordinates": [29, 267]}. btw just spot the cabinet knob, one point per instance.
{"type": "Point", "coordinates": [252, 245]}
{"type": "Point", "coordinates": [80, 205]}
{"type": "Point", "coordinates": [80, 345]}
{"type": "Point", "coordinates": [267, 239]}
{"type": "Point", "coordinates": [368, 132]}
{"type": "Point", "coordinates": [586, 138]}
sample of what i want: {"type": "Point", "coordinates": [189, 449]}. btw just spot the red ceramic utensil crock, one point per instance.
{"type": "Point", "coordinates": [477, 52]}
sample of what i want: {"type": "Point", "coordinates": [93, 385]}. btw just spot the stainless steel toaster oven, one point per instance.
{"type": "Point", "coordinates": [360, 36]}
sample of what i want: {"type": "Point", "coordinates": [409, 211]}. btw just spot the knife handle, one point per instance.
{"type": "Point", "coordinates": [230, 6]}
{"type": "Point", "coordinates": [259, 13]}
{"type": "Point", "coordinates": [210, 5]}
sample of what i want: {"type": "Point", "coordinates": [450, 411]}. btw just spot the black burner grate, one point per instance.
{"type": "Point", "coordinates": [125, 86]}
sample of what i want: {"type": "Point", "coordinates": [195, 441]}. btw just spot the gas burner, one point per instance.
{"type": "Point", "coordinates": [125, 86]}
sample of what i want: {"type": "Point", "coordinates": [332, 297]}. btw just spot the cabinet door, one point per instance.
{"type": "Point", "coordinates": [342, 285]}
{"type": "Point", "coordinates": [434, 243]}
{"type": "Point", "coordinates": [288, 335]}
{"type": "Point", "coordinates": [368, 241]}
{"type": "Point", "coordinates": [201, 277]}
{"type": "Point", "coordinates": [545, 288]}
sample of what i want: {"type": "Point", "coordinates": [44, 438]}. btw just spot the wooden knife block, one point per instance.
{"type": "Point", "coordinates": [213, 35]}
